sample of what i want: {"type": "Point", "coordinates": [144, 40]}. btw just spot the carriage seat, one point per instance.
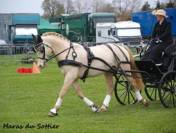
{"type": "Point", "coordinates": [169, 55]}
{"type": "Point", "coordinates": [170, 50]}
{"type": "Point", "coordinates": [159, 64]}
{"type": "Point", "coordinates": [149, 66]}
{"type": "Point", "coordinates": [173, 54]}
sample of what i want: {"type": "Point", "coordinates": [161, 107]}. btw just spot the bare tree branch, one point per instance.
{"type": "Point", "coordinates": [52, 8]}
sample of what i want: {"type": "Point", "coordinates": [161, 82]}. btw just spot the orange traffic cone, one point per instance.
{"type": "Point", "coordinates": [35, 69]}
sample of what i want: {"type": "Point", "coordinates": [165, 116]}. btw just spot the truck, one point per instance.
{"type": "Point", "coordinates": [82, 27]}
{"type": "Point", "coordinates": [127, 32]}
{"type": "Point", "coordinates": [48, 26]}
{"type": "Point", "coordinates": [18, 27]}
{"type": "Point", "coordinates": [16, 30]}
{"type": "Point", "coordinates": [23, 26]}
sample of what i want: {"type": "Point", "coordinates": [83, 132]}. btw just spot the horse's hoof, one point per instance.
{"type": "Point", "coordinates": [103, 109]}
{"type": "Point", "coordinates": [51, 114]}
{"type": "Point", "coordinates": [144, 102]}
{"type": "Point", "coordinates": [94, 108]}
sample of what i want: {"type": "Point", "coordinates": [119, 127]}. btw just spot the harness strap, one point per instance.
{"type": "Point", "coordinates": [122, 52]}
{"type": "Point", "coordinates": [69, 62]}
{"type": "Point", "coordinates": [116, 57]}
{"type": "Point", "coordinates": [79, 64]}
{"type": "Point", "coordinates": [74, 54]}
{"type": "Point", "coordinates": [90, 57]}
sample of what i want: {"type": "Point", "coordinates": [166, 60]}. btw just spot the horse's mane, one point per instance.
{"type": "Point", "coordinates": [55, 34]}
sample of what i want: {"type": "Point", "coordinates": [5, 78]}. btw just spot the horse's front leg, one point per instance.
{"type": "Point", "coordinates": [107, 99]}
{"type": "Point", "coordinates": [68, 81]}
{"type": "Point", "coordinates": [87, 101]}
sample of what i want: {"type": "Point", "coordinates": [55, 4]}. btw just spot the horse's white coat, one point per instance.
{"type": "Point", "coordinates": [73, 73]}
{"type": "Point", "coordinates": [100, 51]}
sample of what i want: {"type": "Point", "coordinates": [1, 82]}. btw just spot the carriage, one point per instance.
{"type": "Point", "coordinates": [159, 80]}
{"type": "Point", "coordinates": [79, 62]}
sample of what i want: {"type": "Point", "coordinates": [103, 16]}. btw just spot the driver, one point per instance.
{"type": "Point", "coordinates": [161, 37]}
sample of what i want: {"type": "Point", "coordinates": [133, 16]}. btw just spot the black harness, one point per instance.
{"type": "Point", "coordinates": [41, 48]}
{"type": "Point", "coordinates": [90, 58]}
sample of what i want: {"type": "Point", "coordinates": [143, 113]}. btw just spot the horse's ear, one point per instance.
{"type": "Point", "coordinates": [34, 38]}
{"type": "Point", "coordinates": [39, 39]}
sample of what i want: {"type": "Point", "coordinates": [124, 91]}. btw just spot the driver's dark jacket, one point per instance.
{"type": "Point", "coordinates": [163, 32]}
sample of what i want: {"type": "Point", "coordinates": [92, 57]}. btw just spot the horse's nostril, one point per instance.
{"type": "Point", "coordinates": [40, 66]}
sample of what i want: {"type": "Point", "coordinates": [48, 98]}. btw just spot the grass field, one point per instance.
{"type": "Point", "coordinates": [26, 99]}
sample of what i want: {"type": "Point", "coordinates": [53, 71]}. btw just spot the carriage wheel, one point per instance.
{"type": "Point", "coordinates": [152, 92]}
{"type": "Point", "coordinates": [167, 90]}
{"type": "Point", "coordinates": [124, 91]}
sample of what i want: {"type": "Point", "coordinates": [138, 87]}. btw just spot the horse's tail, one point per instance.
{"type": "Point", "coordinates": [137, 78]}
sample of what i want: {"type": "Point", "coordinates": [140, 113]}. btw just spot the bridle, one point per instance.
{"type": "Point", "coordinates": [41, 48]}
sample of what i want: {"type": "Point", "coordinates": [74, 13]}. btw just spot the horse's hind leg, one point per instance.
{"type": "Point", "coordinates": [107, 99]}
{"type": "Point", "coordinates": [138, 85]}
{"type": "Point", "coordinates": [136, 88]}
{"type": "Point", "coordinates": [87, 101]}
{"type": "Point", "coordinates": [136, 80]}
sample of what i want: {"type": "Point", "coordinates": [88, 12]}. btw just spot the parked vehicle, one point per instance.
{"type": "Point", "coordinates": [82, 27]}
{"type": "Point", "coordinates": [23, 26]}
{"type": "Point", "coordinates": [123, 31]}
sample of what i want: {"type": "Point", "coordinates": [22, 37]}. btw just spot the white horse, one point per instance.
{"type": "Point", "coordinates": [59, 47]}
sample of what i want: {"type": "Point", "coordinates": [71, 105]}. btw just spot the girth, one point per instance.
{"type": "Point", "coordinates": [90, 57]}
{"type": "Point", "coordinates": [68, 62]}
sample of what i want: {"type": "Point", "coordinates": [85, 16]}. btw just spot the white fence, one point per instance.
{"type": "Point", "coordinates": [16, 54]}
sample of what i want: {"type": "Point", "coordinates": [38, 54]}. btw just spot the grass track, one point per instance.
{"type": "Point", "coordinates": [27, 99]}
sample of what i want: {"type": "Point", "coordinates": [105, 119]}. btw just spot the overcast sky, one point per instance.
{"type": "Point", "coordinates": [21, 6]}
{"type": "Point", "coordinates": [31, 6]}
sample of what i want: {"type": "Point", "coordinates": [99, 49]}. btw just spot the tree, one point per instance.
{"type": "Point", "coordinates": [82, 6]}
{"type": "Point", "coordinates": [124, 8]}
{"type": "Point", "coordinates": [60, 10]}
{"type": "Point", "coordinates": [52, 8]}
{"type": "Point", "coordinates": [146, 6]}
{"type": "Point", "coordinates": [107, 7]}
{"type": "Point", "coordinates": [158, 5]}
{"type": "Point", "coordinates": [78, 5]}
{"type": "Point", "coordinates": [98, 5]}
{"type": "Point", "coordinates": [69, 7]}
{"type": "Point", "coordinates": [170, 4]}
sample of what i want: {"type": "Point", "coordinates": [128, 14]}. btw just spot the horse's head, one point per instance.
{"type": "Point", "coordinates": [43, 50]}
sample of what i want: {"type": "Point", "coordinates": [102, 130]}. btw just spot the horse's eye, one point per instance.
{"type": "Point", "coordinates": [39, 48]}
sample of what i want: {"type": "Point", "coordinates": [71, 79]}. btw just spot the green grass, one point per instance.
{"type": "Point", "coordinates": [27, 99]}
